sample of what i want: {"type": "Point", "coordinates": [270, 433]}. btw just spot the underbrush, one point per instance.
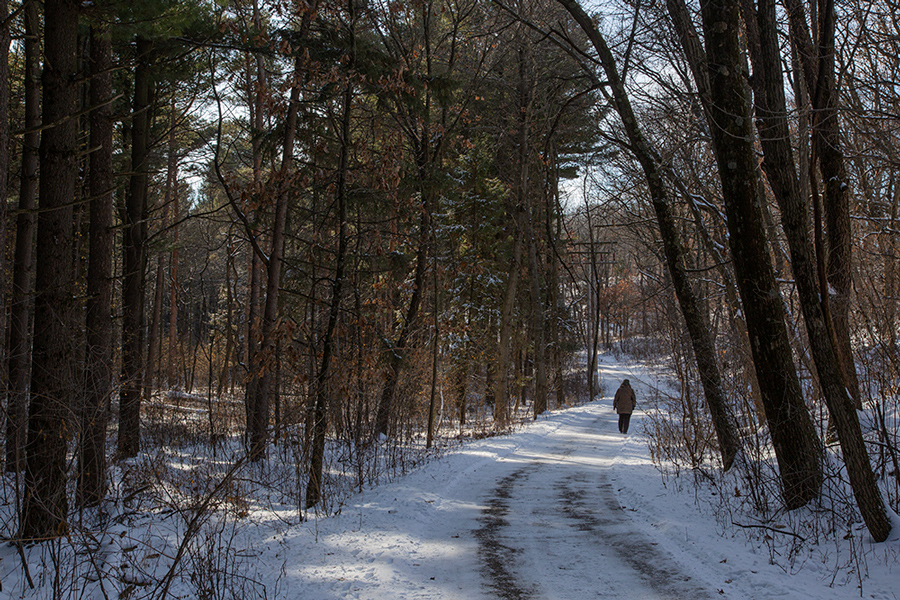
{"type": "Point", "coordinates": [180, 520]}
{"type": "Point", "coordinates": [746, 501]}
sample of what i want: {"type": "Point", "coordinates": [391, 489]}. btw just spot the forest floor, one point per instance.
{"type": "Point", "coordinates": [566, 508]}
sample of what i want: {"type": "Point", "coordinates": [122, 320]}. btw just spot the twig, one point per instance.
{"type": "Point", "coordinates": [24, 563]}
{"type": "Point", "coordinates": [791, 533]}
{"type": "Point", "coordinates": [195, 523]}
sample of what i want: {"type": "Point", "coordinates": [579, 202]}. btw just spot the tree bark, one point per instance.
{"type": "Point", "coordinates": [771, 111]}
{"type": "Point", "coordinates": [501, 384]}
{"type": "Point", "coordinates": [45, 505]}
{"type": "Point", "coordinates": [695, 320]}
{"type": "Point", "coordinates": [134, 256]}
{"type": "Point", "coordinates": [818, 69]}
{"type": "Point", "coordinates": [98, 318]}
{"type": "Point", "coordinates": [793, 435]}
{"type": "Point", "coordinates": [23, 265]}
{"type": "Point", "coordinates": [5, 40]}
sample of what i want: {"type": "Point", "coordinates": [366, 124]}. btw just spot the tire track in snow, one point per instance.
{"type": "Point", "coordinates": [611, 529]}
{"type": "Point", "coordinates": [495, 555]}
{"type": "Point", "coordinates": [585, 501]}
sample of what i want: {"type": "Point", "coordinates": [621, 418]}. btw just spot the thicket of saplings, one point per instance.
{"type": "Point", "coordinates": [173, 514]}
{"type": "Point", "coordinates": [746, 499]}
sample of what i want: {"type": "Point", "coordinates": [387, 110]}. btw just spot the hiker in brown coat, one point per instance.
{"type": "Point", "coordinates": [624, 404]}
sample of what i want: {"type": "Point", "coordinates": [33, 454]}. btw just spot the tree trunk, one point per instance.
{"type": "Point", "coordinates": [45, 506]}
{"type": "Point", "coordinates": [696, 321]}
{"type": "Point", "coordinates": [837, 199]}
{"type": "Point", "coordinates": [593, 309]}
{"type": "Point", "coordinates": [537, 324]}
{"type": "Point", "coordinates": [553, 260]}
{"type": "Point", "coordinates": [779, 165]}
{"type": "Point", "coordinates": [425, 156]}
{"type": "Point", "coordinates": [818, 71]}
{"type": "Point", "coordinates": [259, 432]}
{"type": "Point", "coordinates": [435, 356]}
{"type": "Point", "coordinates": [23, 266]}
{"type": "Point", "coordinates": [791, 428]}
{"type": "Point", "coordinates": [501, 373]}
{"type": "Point", "coordinates": [171, 373]}
{"type": "Point", "coordinates": [226, 375]}
{"type": "Point", "coordinates": [155, 342]}
{"type": "Point", "coordinates": [523, 200]}
{"type": "Point", "coordinates": [98, 321]}
{"type": "Point", "coordinates": [4, 176]}
{"type": "Point", "coordinates": [395, 353]}
{"type": "Point", "coordinates": [320, 423]}
{"type": "Point", "coordinates": [134, 257]}
{"type": "Point", "coordinates": [260, 378]}
{"type": "Point", "coordinates": [734, 308]}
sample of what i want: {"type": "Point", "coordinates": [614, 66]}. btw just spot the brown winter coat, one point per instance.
{"type": "Point", "coordinates": [625, 400]}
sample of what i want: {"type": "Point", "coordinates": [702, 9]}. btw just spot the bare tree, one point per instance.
{"type": "Point", "coordinates": [698, 328]}
{"type": "Point", "coordinates": [771, 111]}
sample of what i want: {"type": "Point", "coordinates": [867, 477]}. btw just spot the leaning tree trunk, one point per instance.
{"type": "Point", "coordinates": [779, 165]}
{"type": "Point", "coordinates": [793, 434]}
{"type": "Point", "coordinates": [98, 318]}
{"type": "Point", "coordinates": [45, 506]}
{"type": "Point", "coordinates": [818, 70]}
{"type": "Point", "coordinates": [23, 267]}
{"type": "Point", "coordinates": [695, 320]}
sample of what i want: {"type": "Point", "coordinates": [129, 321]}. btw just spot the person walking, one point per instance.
{"type": "Point", "coordinates": [624, 404]}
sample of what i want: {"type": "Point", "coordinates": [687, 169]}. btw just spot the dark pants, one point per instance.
{"type": "Point", "coordinates": [624, 420]}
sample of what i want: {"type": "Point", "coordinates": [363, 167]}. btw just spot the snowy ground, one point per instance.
{"type": "Point", "coordinates": [566, 508]}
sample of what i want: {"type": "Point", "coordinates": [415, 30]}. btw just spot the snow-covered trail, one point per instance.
{"type": "Point", "coordinates": [566, 509]}
{"type": "Point", "coordinates": [562, 498]}
{"type": "Point", "coordinates": [532, 515]}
